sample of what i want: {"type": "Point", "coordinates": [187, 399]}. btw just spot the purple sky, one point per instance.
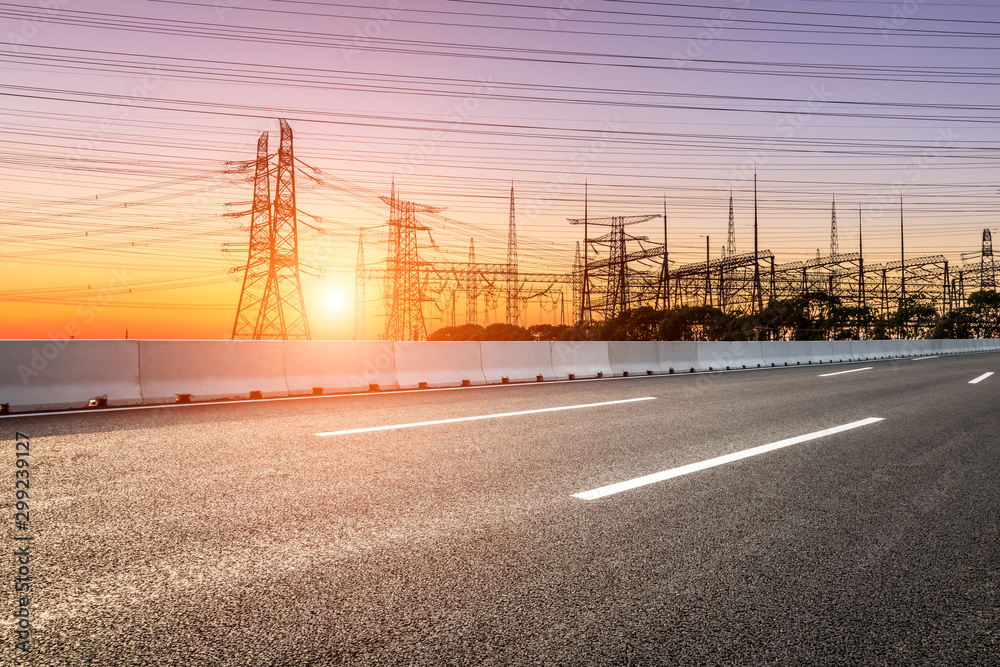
{"type": "Point", "coordinates": [107, 103]}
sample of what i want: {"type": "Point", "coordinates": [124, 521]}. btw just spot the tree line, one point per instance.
{"type": "Point", "coordinates": [807, 316]}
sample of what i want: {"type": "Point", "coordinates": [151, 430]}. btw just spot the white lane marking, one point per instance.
{"type": "Point", "coordinates": [717, 461]}
{"type": "Point", "coordinates": [981, 378]}
{"type": "Point", "coordinates": [390, 427]}
{"type": "Point", "coordinates": [936, 356]}
{"type": "Point", "coordinates": [853, 370]}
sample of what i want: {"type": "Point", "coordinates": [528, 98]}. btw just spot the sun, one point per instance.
{"type": "Point", "coordinates": [335, 300]}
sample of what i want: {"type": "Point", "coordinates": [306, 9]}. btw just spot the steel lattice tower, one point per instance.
{"type": "Point", "coordinates": [472, 287]}
{"type": "Point", "coordinates": [512, 288]}
{"type": "Point", "coordinates": [731, 245]}
{"type": "Point", "coordinates": [359, 291]}
{"type": "Point", "coordinates": [271, 298]}
{"type": "Point", "coordinates": [283, 310]}
{"type": "Point", "coordinates": [834, 240]}
{"type": "Point", "coordinates": [614, 272]}
{"type": "Point", "coordinates": [404, 292]}
{"type": "Point", "coordinates": [259, 257]}
{"type": "Point", "coordinates": [987, 269]}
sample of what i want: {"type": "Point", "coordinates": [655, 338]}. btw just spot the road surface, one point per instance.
{"type": "Point", "coordinates": [304, 532]}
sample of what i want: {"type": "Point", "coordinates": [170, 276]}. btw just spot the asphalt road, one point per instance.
{"type": "Point", "coordinates": [235, 535]}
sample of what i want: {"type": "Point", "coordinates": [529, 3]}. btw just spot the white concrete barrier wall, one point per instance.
{"type": "Point", "coordinates": [438, 364]}
{"type": "Point", "coordinates": [841, 351]}
{"type": "Point", "coordinates": [206, 370]}
{"type": "Point", "coordinates": [330, 367]}
{"type": "Point", "coordinates": [48, 375]}
{"type": "Point", "coordinates": [60, 374]}
{"type": "Point", "coordinates": [820, 352]}
{"type": "Point", "coordinates": [581, 359]}
{"type": "Point", "coordinates": [715, 356]}
{"type": "Point", "coordinates": [517, 361]}
{"type": "Point", "coordinates": [861, 350]}
{"type": "Point", "coordinates": [789, 353]}
{"type": "Point", "coordinates": [747, 354]}
{"type": "Point", "coordinates": [632, 358]}
{"type": "Point", "coordinates": [883, 349]}
{"type": "Point", "coordinates": [678, 356]}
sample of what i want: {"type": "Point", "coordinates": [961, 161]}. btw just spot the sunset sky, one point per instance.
{"type": "Point", "coordinates": [122, 122]}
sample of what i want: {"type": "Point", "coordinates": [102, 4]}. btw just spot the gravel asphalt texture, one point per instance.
{"type": "Point", "coordinates": [232, 535]}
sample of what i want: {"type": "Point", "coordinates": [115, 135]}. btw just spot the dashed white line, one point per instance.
{"type": "Point", "coordinates": [981, 378]}
{"type": "Point", "coordinates": [717, 461]}
{"type": "Point", "coordinates": [390, 427]}
{"type": "Point", "coordinates": [853, 370]}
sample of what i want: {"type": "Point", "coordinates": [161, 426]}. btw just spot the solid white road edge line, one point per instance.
{"type": "Point", "coordinates": [853, 370]}
{"type": "Point", "coordinates": [981, 378]}
{"type": "Point", "coordinates": [936, 356]}
{"type": "Point", "coordinates": [717, 461]}
{"type": "Point", "coordinates": [390, 427]}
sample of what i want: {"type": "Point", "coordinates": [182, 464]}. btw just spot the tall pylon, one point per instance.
{"type": "Point", "coordinates": [512, 287]}
{"type": "Point", "coordinates": [359, 291]}
{"type": "Point", "coordinates": [987, 268]}
{"type": "Point", "coordinates": [758, 294]}
{"type": "Point", "coordinates": [283, 310]}
{"type": "Point", "coordinates": [834, 240]}
{"type": "Point", "coordinates": [259, 257]}
{"type": "Point", "coordinates": [731, 245]}
{"type": "Point", "coordinates": [279, 313]}
{"type": "Point", "coordinates": [404, 291]}
{"type": "Point", "coordinates": [472, 287]}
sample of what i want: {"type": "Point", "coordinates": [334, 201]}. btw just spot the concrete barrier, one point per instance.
{"type": "Point", "coordinates": [60, 374]}
{"type": "Point", "coordinates": [907, 347]}
{"type": "Point", "coordinates": [819, 351]}
{"type": "Point", "coordinates": [747, 354]}
{"type": "Point", "coordinates": [883, 349]}
{"type": "Point", "coordinates": [633, 358]}
{"type": "Point", "coordinates": [678, 356]}
{"type": "Point", "coordinates": [861, 349]}
{"type": "Point", "coordinates": [517, 361]}
{"type": "Point", "coordinates": [430, 364]}
{"type": "Point", "coordinates": [842, 351]}
{"type": "Point", "coordinates": [788, 353]}
{"type": "Point", "coordinates": [330, 367]}
{"type": "Point", "coordinates": [580, 359]}
{"type": "Point", "coordinates": [172, 371]}
{"type": "Point", "coordinates": [715, 356]}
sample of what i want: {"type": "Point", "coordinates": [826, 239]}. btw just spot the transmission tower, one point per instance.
{"type": "Point", "coordinates": [987, 269]}
{"type": "Point", "coordinates": [577, 313]}
{"type": "Point", "coordinates": [511, 283]}
{"type": "Point", "coordinates": [259, 258]}
{"type": "Point", "coordinates": [359, 291]}
{"type": "Point", "coordinates": [834, 241]}
{"type": "Point", "coordinates": [472, 287]}
{"type": "Point", "coordinates": [731, 246]}
{"type": "Point", "coordinates": [404, 292]}
{"type": "Point", "coordinates": [280, 310]}
{"type": "Point", "coordinates": [614, 272]}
